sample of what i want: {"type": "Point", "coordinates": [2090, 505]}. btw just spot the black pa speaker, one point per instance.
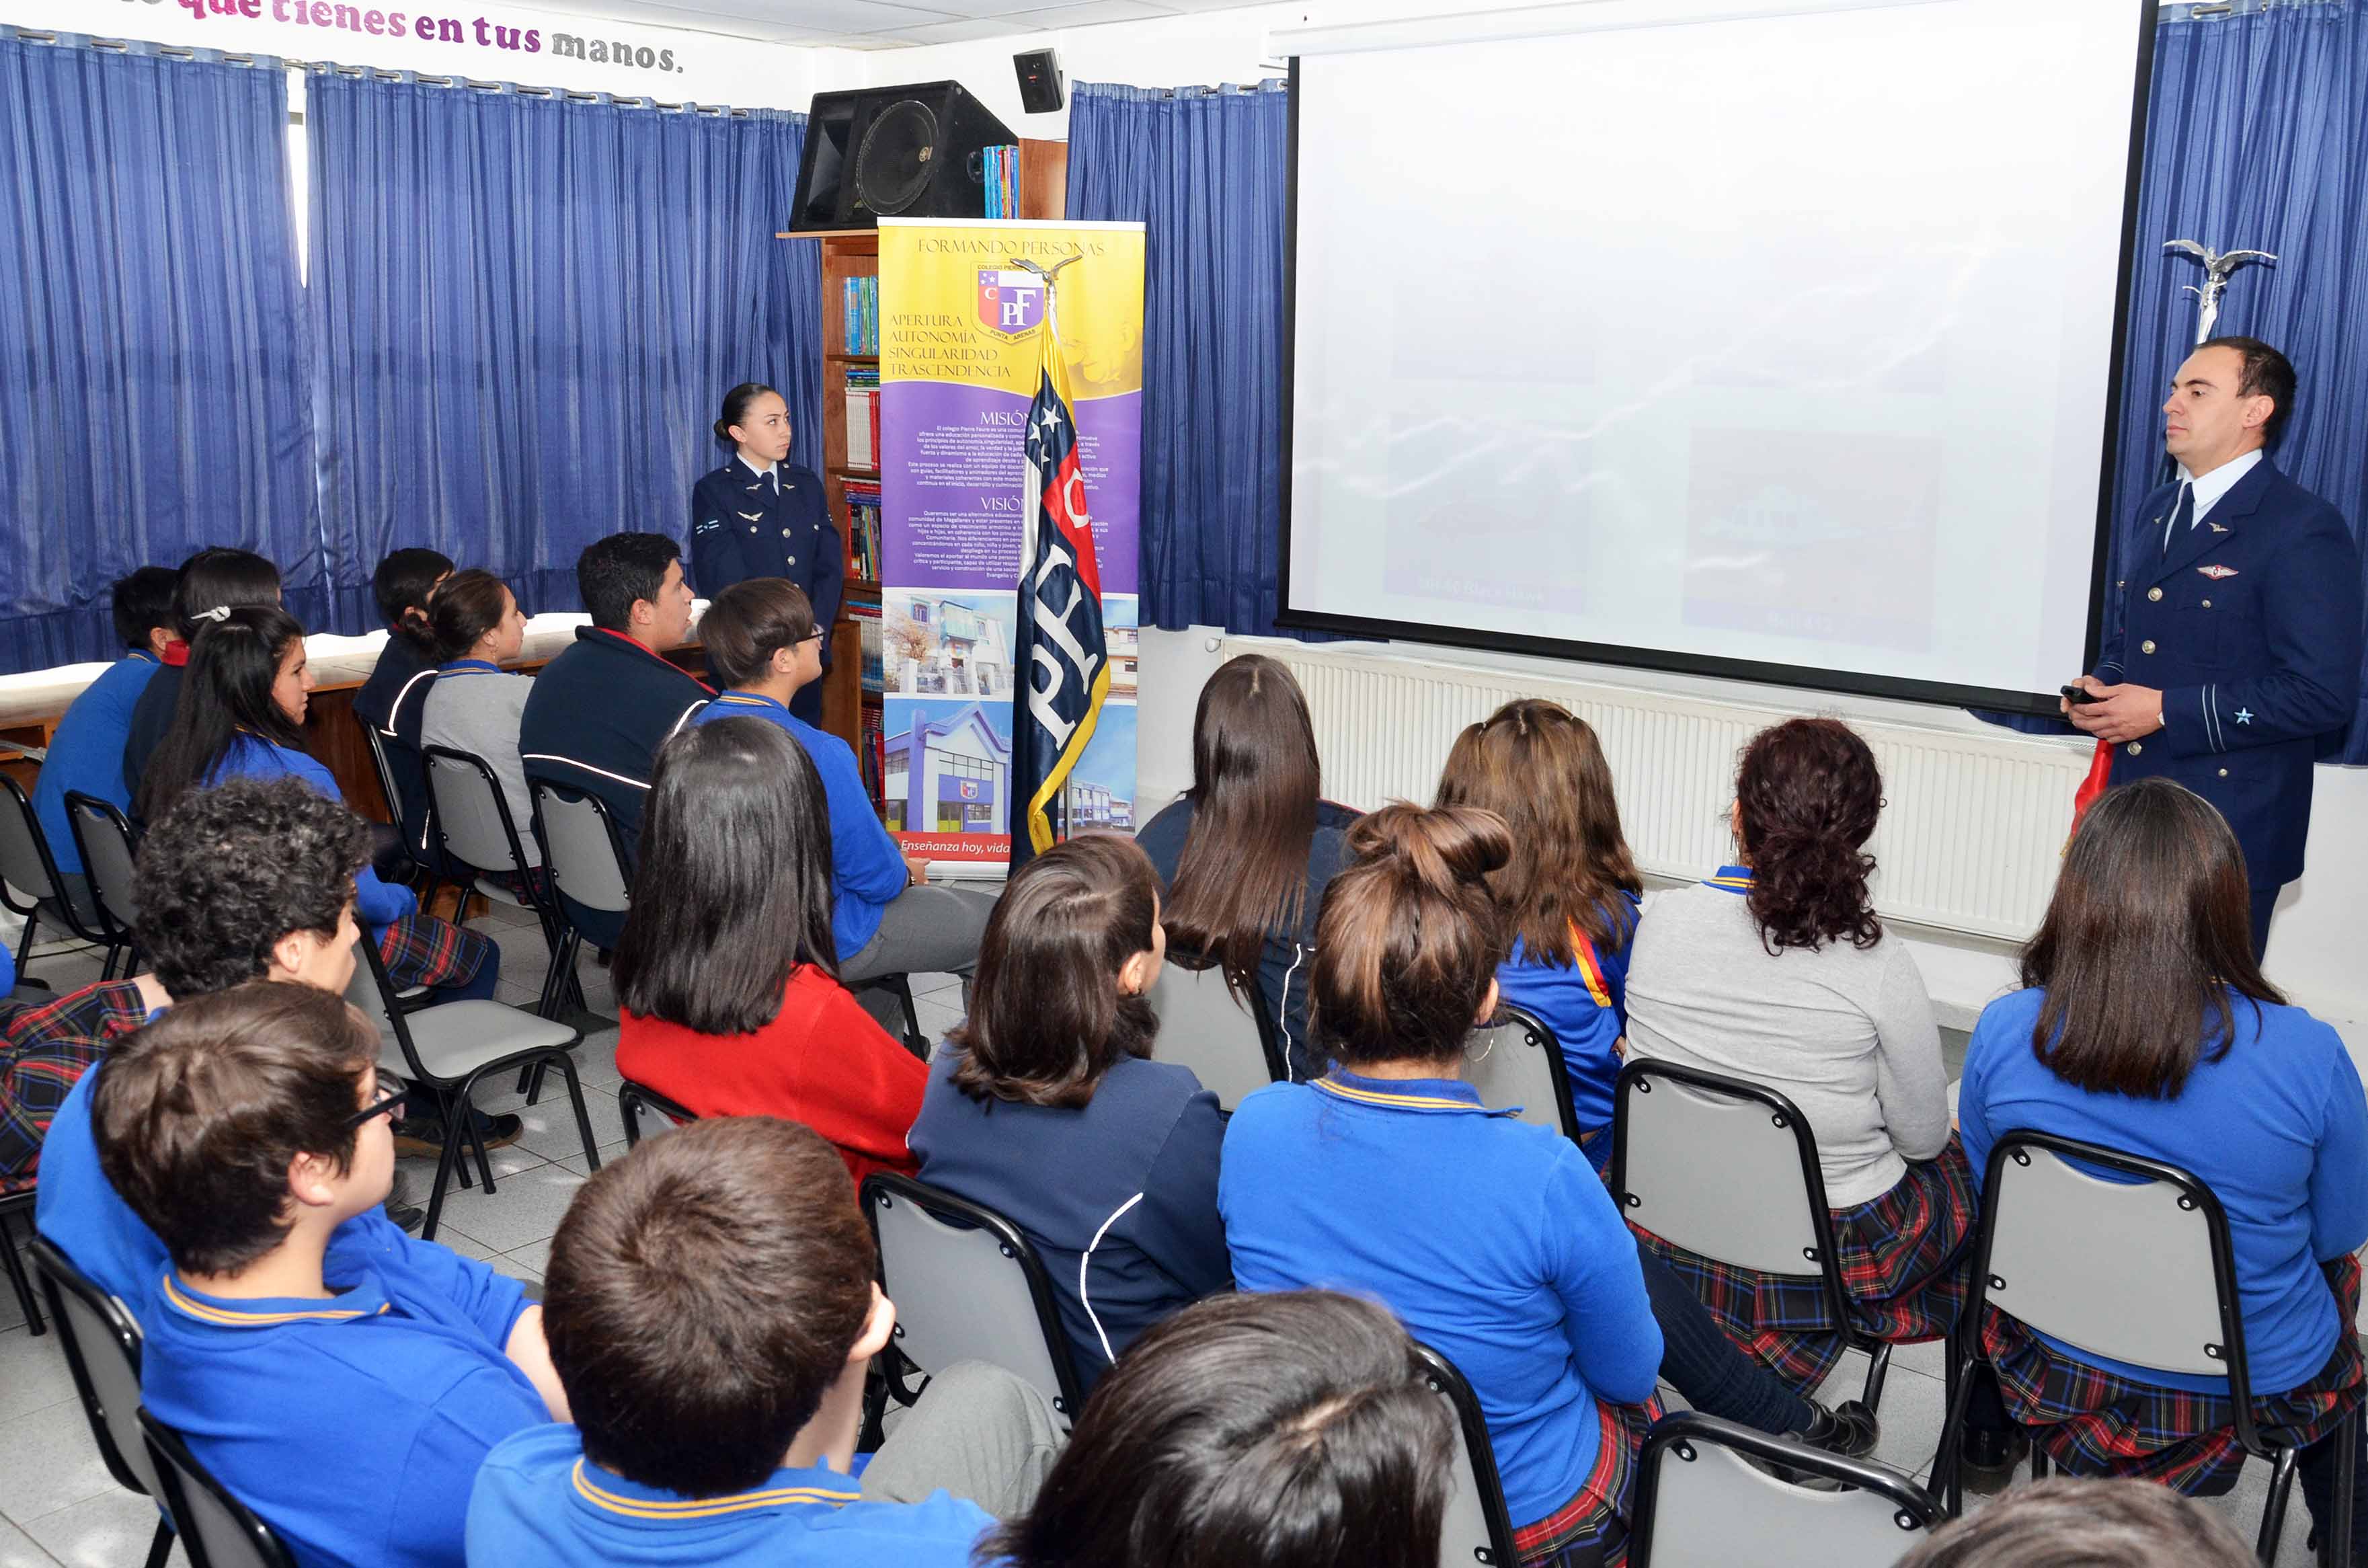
{"type": "Point", "coordinates": [1040, 80]}
{"type": "Point", "coordinates": [893, 153]}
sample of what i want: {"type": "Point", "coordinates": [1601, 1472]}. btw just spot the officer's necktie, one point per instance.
{"type": "Point", "coordinates": [2182, 517]}
{"type": "Point", "coordinates": [773, 479]}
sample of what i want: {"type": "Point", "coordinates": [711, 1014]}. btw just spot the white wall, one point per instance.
{"type": "Point", "coordinates": [2316, 943]}
{"type": "Point", "coordinates": [684, 65]}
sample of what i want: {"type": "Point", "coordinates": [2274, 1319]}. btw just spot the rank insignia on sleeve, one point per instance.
{"type": "Point", "coordinates": [2217, 572]}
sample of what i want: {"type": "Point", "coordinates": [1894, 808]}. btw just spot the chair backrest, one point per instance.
{"type": "Point", "coordinates": [471, 813]}
{"type": "Point", "coordinates": [1517, 1060]}
{"type": "Point", "coordinates": [581, 851]}
{"type": "Point", "coordinates": [1724, 1168]}
{"type": "Point", "coordinates": [630, 1099]}
{"type": "Point", "coordinates": [414, 834]}
{"type": "Point", "coordinates": [968, 1287]}
{"type": "Point", "coordinates": [25, 861]}
{"type": "Point", "coordinates": [218, 1530]}
{"type": "Point", "coordinates": [1476, 1528]}
{"type": "Point", "coordinates": [2137, 1270]}
{"type": "Point", "coordinates": [102, 1346]}
{"type": "Point", "coordinates": [1698, 1504]}
{"type": "Point", "coordinates": [1207, 1025]}
{"type": "Point", "coordinates": [370, 992]}
{"type": "Point", "coordinates": [103, 834]}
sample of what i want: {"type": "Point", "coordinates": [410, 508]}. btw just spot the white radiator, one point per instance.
{"type": "Point", "coordinates": [1970, 838]}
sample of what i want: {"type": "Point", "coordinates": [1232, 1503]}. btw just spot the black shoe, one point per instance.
{"type": "Point", "coordinates": [1989, 1462]}
{"type": "Point", "coordinates": [425, 1134]}
{"type": "Point", "coordinates": [405, 1214]}
{"type": "Point", "coordinates": [1849, 1429]}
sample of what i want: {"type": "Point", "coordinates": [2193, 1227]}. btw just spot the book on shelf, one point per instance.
{"type": "Point", "coordinates": [863, 428]}
{"type": "Point", "coordinates": [859, 305]}
{"type": "Point", "coordinates": [862, 498]}
{"type": "Point", "coordinates": [866, 616]}
{"type": "Point", "coordinates": [874, 752]}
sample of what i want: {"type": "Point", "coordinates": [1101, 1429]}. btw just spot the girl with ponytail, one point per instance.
{"type": "Point", "coordinates": [1776, 970]}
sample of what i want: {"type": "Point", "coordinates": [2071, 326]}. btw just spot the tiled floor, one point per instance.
{"type": "Point", "coordinates": [59, 1506]}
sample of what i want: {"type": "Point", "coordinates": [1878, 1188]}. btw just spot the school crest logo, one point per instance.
{"type": "Point", "coordinates": [1010, 304]}
{"type": "Point", "coordinates": [2217, 572]}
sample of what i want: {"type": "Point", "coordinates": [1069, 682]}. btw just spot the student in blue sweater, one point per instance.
{"type": "Point", "coordinates": [241, 716]}
{"type": "Point", "coordinates": [1490, 1238]}
{"type": "Point", "coordinates": [340, 1378]}
{"type": "Point", "coordinates": [1570, 893]}
{"type": "Point", "coordinates": [87, 752]}
{"type": "Point", "coordinates": [2146, 1027]}
{"type": "Point", "coordinates": [763, 647]}
{"type": "Point", "coordinates": [713, 1309]}
{"type": "Point", "coordinates": [1046, 1107]}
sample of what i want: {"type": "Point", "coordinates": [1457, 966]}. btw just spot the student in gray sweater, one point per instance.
{"type": "Point", "coordinates": [1777, 971]}
{"type": "Point", "coordinates": [474, 705]}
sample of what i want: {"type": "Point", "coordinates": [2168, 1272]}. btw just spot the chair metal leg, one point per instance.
{"type": "Point", "coordinates": [17, 1280]}
{"type": "Point", "coordinates": [629, 1111]}
{"type": "Point", "coordinates": [465, 1117]}
{"type": "Point", "coordinates": [2038, 1462]}
{"type": "Point", "coordinates": [25, 942]}
{"type": "Point", "coordinates": [2273, 1512]}
{"type": "Point", "coordinates": [901, 985]}
{"type": "Point", "coordinates": [444, 1167]}
{"type": "Point", "coordinates": [1878, 1368]}
{"type": "Point", "coordinates": [575, 1098]}
{"type": "Point", "coordinates": [1947, 1484]}
{"type": "Point", "coordinates": [2335, 1533]}
{"type": "Point", "coordinates": [160, 1547]}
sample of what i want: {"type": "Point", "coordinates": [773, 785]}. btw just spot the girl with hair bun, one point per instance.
{"type": "Point", "coordinates": [475, 706]}
{"type": "Point", "coordinates": [1776, 970]}
{"type": "Point", "coordinates": [1490, 1237]}
{"type": "Point", "coordinates": [762, 515]}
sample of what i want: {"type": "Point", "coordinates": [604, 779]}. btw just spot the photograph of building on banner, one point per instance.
{"type": "Point", "coordinates": [976, 318]}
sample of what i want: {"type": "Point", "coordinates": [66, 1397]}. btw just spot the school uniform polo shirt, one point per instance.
{"type": "Point", "coordinates": [78, 1209]}
{"type": "Point", "coordinates": [540, 1504]}
{"type": "Point", "coordinates": [1491, 1239]}
{"type": "Point", "coordinates": [354, 1425]}
{"type": "Point", "coordinates": [867, 869]}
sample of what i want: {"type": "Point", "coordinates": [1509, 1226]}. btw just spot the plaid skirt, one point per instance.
{"type": "Point", "coordinates": [2092, 1422]}
{"type": "Point", "coordinates": [1591, 1529]}
{"type": "Point", "coordinates": [420, 950]}
{"type": "Point", "coordinates": [1903, 1264]}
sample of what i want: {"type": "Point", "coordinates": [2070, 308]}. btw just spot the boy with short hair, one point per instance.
{"type": "Point", "coordinates": [339, 1379]}
{"type": "Point", "coordinates": [711, 1306]}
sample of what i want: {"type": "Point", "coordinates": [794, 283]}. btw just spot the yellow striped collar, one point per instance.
{"type": "Point", "coordinates": [217, 1310]}
{"type": "Point", "coordinates": [750, 699]}
{"type": "Point", "coordinates": [1730, 878]}
{"type": "Point", "coordinates": [1405, 1093]}
{"type": "Point", "coordinates": [787, 1489]}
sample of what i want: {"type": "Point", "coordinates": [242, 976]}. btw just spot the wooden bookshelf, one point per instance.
{"type": "Point", "coordinates": [855, 252]}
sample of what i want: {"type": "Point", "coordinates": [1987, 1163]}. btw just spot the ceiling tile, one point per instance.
{"type": "Point", "coordinates": [962, 32]}
{"type": "Point", "coordinates": [1090, 13]}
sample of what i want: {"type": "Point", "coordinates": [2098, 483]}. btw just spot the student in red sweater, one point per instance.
{"type": "Point", "coordinates": [725, 971]}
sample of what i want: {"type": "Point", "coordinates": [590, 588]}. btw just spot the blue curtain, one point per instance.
{"type": "Point", "coordinates": [152, 333]}
{"type": "Point", "coordinates": [1204, 170]}
{"type": "Point", "coordinates": [528, 312]}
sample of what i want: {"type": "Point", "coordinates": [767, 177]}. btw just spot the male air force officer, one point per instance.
{"type": "Point", "coordinates": [2232, 641]}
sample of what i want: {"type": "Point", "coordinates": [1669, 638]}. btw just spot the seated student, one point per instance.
{"type": "Point", "coordinates": [1291, 1430]}
{"type": "Point", "coordinates": [473, 705]}
{"type": "Point", "coordinates": [723, 971]}
{"type": "Point", "coordinates": [1244, 854]}
{"type": "Point", "coordinates": [711, 1311]}
{"type": "Point", "coordinates": [1776, 970]}
{"type": "Point", "coordinates": [1490, 1238]}
{"type": "Point", "coordinates": [1045, 1105]}
{"type": "Point", "coordinates": [253, 881]}
{"type": "Point", "coordinates": [762, 647]}
{"type": "Point", "coordinates": [87, 754]}
{"type": "Point", "coordinates": [338, 1378]}
{"type": "Point", "coordinates": [242, 716]}
{"type": "Point", "coordinates": [2146, 1026]}
{"type": "Point", "coordinates": [599, 711]}
{"type": "Point", "coordinates": [217, 577]}
{"type": "Point", "coordinates": [2065, 1523]}
{"type": "Point", "coordinates": [1570, 893]}
{"type": "Point", "coordinates": [391, 700]}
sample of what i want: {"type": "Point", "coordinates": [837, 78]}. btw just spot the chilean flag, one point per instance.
{"type": "Point", "coordinates": [1064, 659]}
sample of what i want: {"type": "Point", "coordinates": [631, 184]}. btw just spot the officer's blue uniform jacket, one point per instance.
{"type": "Point", "coordinates": [742, 528]}
{"type": "Point", "coordinates": [2251, 626]}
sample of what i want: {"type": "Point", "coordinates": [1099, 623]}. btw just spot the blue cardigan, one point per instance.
{"type": "Point", "coordinates": [2277, 1129]}
{"type": "Point", "coordinates": [1586, 1005]}
{"type": "Point", "coordinates": [1491, 1238]}
{"type": "Point", "coordinates": [376, 904]}
{"type": "Point", "coordinates": [87, 754]}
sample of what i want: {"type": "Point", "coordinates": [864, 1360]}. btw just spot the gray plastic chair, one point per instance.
{"type": "Point", "coordinates": [102, 1347]}
{"type": "Point", "coordinates": [447, 1050]}
{"type": "Point", "coordinates": [1207, 1025]}
{"type": "Point", "coordinates": [2138, 1269]}
{"type": "Point", "coordinates": [1516, 1061]}
{"type": "Point", "coordinates": [1699, 1504]}
{"type": "Point", "coordinates": [1476, 1527]}
{"type": "Point", "coordinates": [28, 868]}
{"type": "Point", "coordinates": [968, 1287]}
{"type": "Point", "coordinates": [219, 1530]}
{"type": "Point", "coordinates": [471, 817]}
{"type": "Point", "coordinates": [1727, 1169]}
{"type": "Point", "coordinates": [103, 836]}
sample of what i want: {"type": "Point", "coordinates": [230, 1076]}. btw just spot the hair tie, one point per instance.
{"type": "Point", "coordinates": [218, 614]}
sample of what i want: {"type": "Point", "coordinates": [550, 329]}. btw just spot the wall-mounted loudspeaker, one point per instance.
{"type": "Point", "coordinates": [1040, 80]}
{"type": "Point", "coordinates": [893, 153]}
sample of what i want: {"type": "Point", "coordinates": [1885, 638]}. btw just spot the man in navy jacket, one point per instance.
{"type": "Point", "coordinates": [2232, 640]}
